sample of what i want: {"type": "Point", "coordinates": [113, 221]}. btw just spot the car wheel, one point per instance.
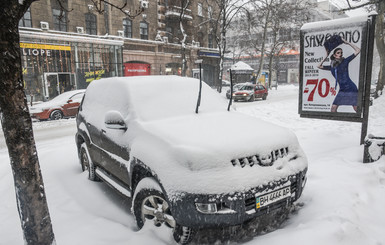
{"type": "Point", "coordinates": [149, 203]}
{"type": "Point", "coordinates": [86, 163]}
{"type": "Point", "coordinates": [264, 97]}
{"type": "Point", "coordinates": [56, 115]}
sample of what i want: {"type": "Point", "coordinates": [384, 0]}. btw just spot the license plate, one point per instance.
{"type": "Point", "coordinates": [272, 197]}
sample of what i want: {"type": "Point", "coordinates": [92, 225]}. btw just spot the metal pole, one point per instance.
{"type": "Point", "coordinates": [231, 91]}
{"type": "Point", "coordinates": [200, 87]}
{"type": "Point", "coordinates": [368, 76]}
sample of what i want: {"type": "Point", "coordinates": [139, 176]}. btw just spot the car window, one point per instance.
{"type": "Point", "coordinates": [77, 97]}
{"type": "Point", "coordinates": [247, 88]}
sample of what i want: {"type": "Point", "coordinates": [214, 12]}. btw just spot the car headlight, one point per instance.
{"type": "Point", "coordinates": [206, 208]}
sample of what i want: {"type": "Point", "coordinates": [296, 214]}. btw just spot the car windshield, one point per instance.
{"type": "Point", "coordinates": [247, 87]}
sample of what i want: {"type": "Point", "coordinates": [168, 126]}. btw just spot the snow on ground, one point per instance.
{"type": "Point", "coordinates": [342, 202]}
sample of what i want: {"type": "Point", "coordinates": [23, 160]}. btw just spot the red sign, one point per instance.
{"type": "Point", "coordinates": [136, 69]}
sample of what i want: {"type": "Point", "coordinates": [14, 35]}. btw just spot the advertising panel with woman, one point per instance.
{"type": "Point", "coordinates": [332, 70]}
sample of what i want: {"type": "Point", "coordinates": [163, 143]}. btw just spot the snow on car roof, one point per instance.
{"type": "Point", "coordinates": [58, 100]}
{"type": "Point", "coordinates": [159, 97]}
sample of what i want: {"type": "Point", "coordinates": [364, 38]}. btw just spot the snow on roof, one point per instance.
{"type": "Point", "coordinates": [241, 66]}
{"type": "Point", "coordinates": [336, 22]}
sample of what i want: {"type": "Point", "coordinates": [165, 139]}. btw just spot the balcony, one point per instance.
{"type": "Point", "coordinates": [175, 12]}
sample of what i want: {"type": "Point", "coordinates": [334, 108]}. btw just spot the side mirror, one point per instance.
{"type": "Point", "coordinates": [114, 120]}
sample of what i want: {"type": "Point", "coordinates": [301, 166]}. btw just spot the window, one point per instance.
{"type": "Point", "coordinates": [59, 20]}
{"type": "Point", "coordinates": [127, 27]}
{"type": "Point", "coordinates": [210, 12]}
{"type": "Point", "coordinates": [26, 21]}
{"type": "Point", "coordinates": [91, 24]}
{"type": "Point", "coordinates": [200, 9]}
{"type": "Point", "coordinates": [210, 44]}
{"type": "Point", "coordinates": [169, 33]}
{"type": "Point", "coordinates": [143, 30]}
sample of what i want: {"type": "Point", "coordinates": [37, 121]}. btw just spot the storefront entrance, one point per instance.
{"type": "Point", "coordinates": [57, 83]}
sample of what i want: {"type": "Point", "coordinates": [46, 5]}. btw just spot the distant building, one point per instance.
{"type": "Point", "coordinates": [62, 51]}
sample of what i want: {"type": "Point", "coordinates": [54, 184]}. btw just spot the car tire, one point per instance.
{"type": "Point", "coordinates": [86, 163]}
{"type": "Point", "coordinates": [149, 203]}
{"type": "Point", "coordinates": [56, 115]}
{"type": "Point", "coordinates": [264, 97]}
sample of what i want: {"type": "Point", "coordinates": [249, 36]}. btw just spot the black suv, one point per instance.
{"type": "Point", "coordinates": [186, 170]}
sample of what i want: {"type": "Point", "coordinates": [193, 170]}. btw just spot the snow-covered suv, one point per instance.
{"type": "Point", "coordinates": [187, 170]}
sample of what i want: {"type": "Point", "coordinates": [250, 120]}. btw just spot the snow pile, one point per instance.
{"type": "Point", "coordinates": [342, 204]}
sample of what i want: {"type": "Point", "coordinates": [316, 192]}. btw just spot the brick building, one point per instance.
{"type": "Point", "coordinates": [67, 50]}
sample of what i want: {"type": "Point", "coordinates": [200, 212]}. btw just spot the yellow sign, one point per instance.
{"type": "Point", "coordinates": [44, 46]}
{"type": "Point", "coordinates": [90, 76]}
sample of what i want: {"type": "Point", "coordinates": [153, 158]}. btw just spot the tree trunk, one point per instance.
{"type": "Point", "coordinates": [380, 45]}
{"type": "Point", "coordinates": [17, 127]}
{"type": "Point", "coordinates": [261, 59]}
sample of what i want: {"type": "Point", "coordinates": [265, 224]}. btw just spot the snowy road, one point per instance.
{"type": "Point", "coordinates": [342, 202]}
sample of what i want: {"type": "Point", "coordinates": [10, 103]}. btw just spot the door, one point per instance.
{"type": "Point", "coordinates": [259, 91]}
{"type": "Point", "coordinates": [51, 85]}
{"type": "Point", "coordinates": [70, 109]}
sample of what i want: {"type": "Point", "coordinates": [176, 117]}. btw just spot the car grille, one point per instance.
{"type": "Point", "coordinates": [266, 160]}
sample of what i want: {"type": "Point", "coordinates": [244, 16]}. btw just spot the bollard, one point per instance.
{"type": "Point", "coordinates": [374, 147]}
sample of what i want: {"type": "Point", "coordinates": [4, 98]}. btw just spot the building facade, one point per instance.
{"type": "Point", "coordinates": [64, 50]}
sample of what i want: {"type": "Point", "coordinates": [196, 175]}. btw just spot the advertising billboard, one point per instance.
{"type": "Point", "coordinates": [333, 68]}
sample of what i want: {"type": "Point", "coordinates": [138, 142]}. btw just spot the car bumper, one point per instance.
{"type": "Point", "coordinates": [236, 208]}
{"type": "Point", "coordinates": [40, 116]}
{"type": "Point", "coordinates": [241, 97]}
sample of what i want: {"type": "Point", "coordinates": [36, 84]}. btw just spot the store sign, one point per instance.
{"type": "Point", "coordinates": [137, 69]}
{"type": "Point", "coordinates": [202, 53]}
{"type": "Point", "coordinates": [332, 68]}
{"type": "Point", "coordinates": [35, 49]}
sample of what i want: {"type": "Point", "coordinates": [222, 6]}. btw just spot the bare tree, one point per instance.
{"type": "Point", "coordinates": [286, 19]}
{"type": "Point", "coordinates": [227, 10]}
{"type": "Point", "coordinates": [17, 127]}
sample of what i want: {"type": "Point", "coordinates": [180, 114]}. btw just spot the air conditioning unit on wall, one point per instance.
{"type": "Point", "coordinates": [44, 25]}
{"type": "Point", "coordinates": [121, 33]}
{"type": "Point", "coordinates": [144, 4]}
{"type": "Point", "coordinates": [80, 29]}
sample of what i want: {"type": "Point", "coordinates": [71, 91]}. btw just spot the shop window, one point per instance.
{"type": "Point", "coordinates": [200, 9]}
{"type": "Point", "coordinates": [26, 20]}
{"type": "Point", "coordinates": [210, 39]}
{"type": "Point", "coordinates": [59, 20]}
{"type": "Point", "coordinates": [127, 27]}
{"type": "Point", "coordinates": [91, 24]}
{"type": "Point", "coordinates": [143, 30]}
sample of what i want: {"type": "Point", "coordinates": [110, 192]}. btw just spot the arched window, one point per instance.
{"type": "Point", "coordinates": [143, 30]}
{"type": "Point", "coordinates": [91, 24]}
{"type": "Point", "coordinates": [127, 27]}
